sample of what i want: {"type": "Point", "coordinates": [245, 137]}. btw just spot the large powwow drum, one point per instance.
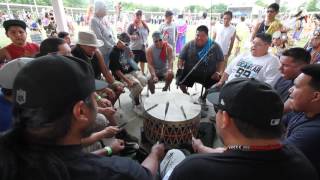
{"type": "Point", "coordinates": [171, 118]}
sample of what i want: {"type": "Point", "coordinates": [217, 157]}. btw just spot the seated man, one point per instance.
{"type": "Point", "coordinates": [292, 60]}
{"type": "Point", "coordinates": [248, 121]}
{"type": "Point", "coordinates": [16, 31]}
{"type": "Point", "coordinates": [303, 123]}
{"type": "Point", "coordinates": [210, 55]}
{"type": "Point", "coordinates": [66, 37]}
{"type": "Point", "coordinates": [86, 49]}
{"type": "Point", "coordinates": [122, 67]}
{"type": "Point", "coordinates": [258, 64]}
{"type": "Point", "coordinates": [45, 140]}
{"type": "Point", "coordinates": [54, 46]}
{"type": "Point", "coordinates": [160, 62]}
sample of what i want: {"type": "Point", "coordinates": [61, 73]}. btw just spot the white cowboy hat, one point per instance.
{"type": "Point", "coordinates": [88, 38]}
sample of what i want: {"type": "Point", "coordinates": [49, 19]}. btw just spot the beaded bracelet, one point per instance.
{"type": "Point", "coordinates": [108, 150]}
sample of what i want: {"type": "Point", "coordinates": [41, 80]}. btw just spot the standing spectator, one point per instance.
{"type": "Point", "coordinates": [225, 36]}
{"type": "Point", "coordinates": [182, 30]}
{"type": "Point", "coordinates": [139, 31]}
{"type": "Point", "coordinates": [270, 24]}
{"type": "Point", "coordinates": [16, 31]}
{"type": "Point", "coordinates": [169, 30]}
{"type": "Point", "coordinates": [103, 30]}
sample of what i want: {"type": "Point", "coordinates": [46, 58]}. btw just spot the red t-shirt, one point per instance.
{"type": "Point", "coordinates": [29, 50]}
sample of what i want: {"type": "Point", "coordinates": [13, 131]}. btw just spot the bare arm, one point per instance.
{"type": "Point", "coordinates": [108, 132]}
{"type": "Point", "coordinates": [231, 43]}
{"type": "Point", "coordinates": [152, 161]}
{"type": "Point", "coordinates": [150, 62]}
{"type": "Point", "coordinates": [198, 147]}
{"type": "Point", "coordinates": [222, 80]}
{"type": "Point", "coordinates": [255, 30]}
{"type": "Point", "coordinates": [214, 35]}
{"type": "Point", "coordinates": [124, 78]}
{"type": "Point", "coordinates": [104, 69]}
{"type": "Point", "coordinates": [4, 55]}
{"type": "Point", "coordinates": [170, 57]}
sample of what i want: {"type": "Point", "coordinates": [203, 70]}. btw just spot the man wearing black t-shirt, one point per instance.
{"type": "Point", "coordinates": [124, 68]}
{"type": "Point", "coordinates": [248, 123]}
{"type": "Point", "coordinates": [45, 141]}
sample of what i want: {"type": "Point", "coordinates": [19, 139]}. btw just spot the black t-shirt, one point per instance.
{"type": "Point", "coordinates": [207, 67]}
{"type": "Point", "coordinates": [94, 63]}
{"type": "Point", "coordinates": [86, 166]}
{"type": "Point", "coordinates": [119, 60]}
{"type": "Point", "coordinates": [286, 163]}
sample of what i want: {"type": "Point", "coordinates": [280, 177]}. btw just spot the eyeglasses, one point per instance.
{"type": "Point", "coordinates": [156, 41]}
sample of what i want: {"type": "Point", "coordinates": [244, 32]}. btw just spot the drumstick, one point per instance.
{"type": "Point", "coordinates": [161, 135]}
{"type": "Point", "coordinates": [192, 137]}
{"type": "Point", "coordinates": [183, 112]}
{"type": "Point", "coordinates": [152, 107]}
{"type": "Point", "coordinates": [122, 125]}
{"type": "Point", "coordinates": [166, 110]}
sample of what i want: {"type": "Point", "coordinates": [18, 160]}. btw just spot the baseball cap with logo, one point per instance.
{"type": "Point", "coordinates": [53, 82]}
{"type": "Point", "coordinates": [9, 71]}
{"type": "Point", "coordinates": [251, 101]}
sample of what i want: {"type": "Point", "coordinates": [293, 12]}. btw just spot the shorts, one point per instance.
{"type": "Point", "coordinates": [141, 81]}
{"type": "Point", "coordinates": [207, 82]}
{"type": "Point", "coordinates": [139, 56]}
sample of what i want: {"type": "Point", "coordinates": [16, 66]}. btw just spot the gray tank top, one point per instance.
{"type": "Point", "coordinates": [159, 65]}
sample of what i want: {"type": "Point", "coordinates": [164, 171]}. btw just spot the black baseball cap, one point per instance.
{"type": "Point", "coordinates": [168, 13]}
{"type": "Point", "coordinates": [252, 101]}
{"type": "Point", "coordinates": [124, 37]}
{"type": "Point", "coordinates": [14, 22]}
{"type": "Point", "coordinates": [53, 82]}
{"type": "Point", "coordinates": [138, 12]}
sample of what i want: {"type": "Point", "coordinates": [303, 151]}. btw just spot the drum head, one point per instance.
{"type": "Point", "coordinates": [180, 107]}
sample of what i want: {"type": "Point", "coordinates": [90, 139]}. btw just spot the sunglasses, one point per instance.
{"type": "Point", "coordinates": [156, 41]}
{"type": "Point", "coordinates": [217, 107]}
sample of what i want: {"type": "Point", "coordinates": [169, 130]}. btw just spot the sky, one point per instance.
{"type": "Point", "coordinates": [179, 4]}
